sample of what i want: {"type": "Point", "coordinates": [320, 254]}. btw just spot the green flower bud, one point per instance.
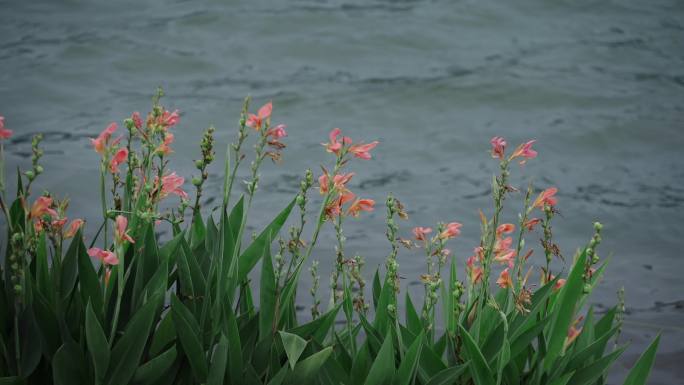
{"type": "Point", "coordinates": [196, 181]}
{"type": "Point", "coordinates": [598, 226]}
{"type": "Point", "coordinates": [30, 175]}
{"type": "Point", "coordinates": [199, 164]}
{"type": "Point", "coordinates": [39, 169]}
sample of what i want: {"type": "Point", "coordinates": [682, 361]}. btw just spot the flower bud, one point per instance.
{"type": "Point", "coordinates": [30, 175]}
{"type": "Point", "coordinates": [300, 200]}
{"type": "Point", "coordinates": [199, 164]}
{"type": "Point", "coordinates": [39, 169]}
{"type": "Point", "coordinates": [598, 226]}
{"type": "Point", "coordinates": [196, 181]}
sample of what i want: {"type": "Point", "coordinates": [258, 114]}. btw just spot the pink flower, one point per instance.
{"type": "Point", "coordinates": [453, 229]}
{"type": "Point", "coordinates": [118, 158]}
{"type": "Point", "coordinates": [137, 120]}
{"type": "Point", "coordinates": [474, 272]}
{"type": "Point", "coordinates": [256, 121]}
{"type": "Point", "coordinates": [120, 232]}
{"type": "Point", "coordinates": [58, 223]}
{"type": "Point", "coordinates": [41, 207]}
{"type": "Point", "coordinates": [4, 133]}
{"type": "Point", "coordinates": [277, 132]}
{"type": "Point", "coordinates": [360, 205]}
{"type": "Point", "coordinates": [530, 224]}
{"type": "Point", "coordinates": [498, 147]}
{"type": "Point", "coordinates": [73, 228]}
{"type": "Point", "coordinates": [546, 197]}
{"type": "Point", "coordinates": [559, 284]}
{"type": "Point", "coordinates": [504, 280]}
{"type": "Point", "coordinates": [334, 208]}
{"type": "Point", "coordinates": [100, 143]}
{"type": "Point", "coordinates": [339, 182]}
{"type": "Point", "coordinates": [105, 256]}
{"type": "Point", "coordinates": [171, 184]}
{"type": "Point", "coordinates": [573, 332]}
{"type": "Point", "coordinates": [525, 151]}
{"type": "Point", "coordinates": [420, 232]}
{"type": "Point", "coordinates": [505, 228]}
{"type": "Point", "coordinates": [503, 253]}
{"type": "Point", "coordinates": [362, 151]}
{"type": "Point", "coordinates": [165, 147]}
{"type": "Point", "coordinates": [169, 119]}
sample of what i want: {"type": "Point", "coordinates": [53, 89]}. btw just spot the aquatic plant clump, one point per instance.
{"type": "Point", "coordinates": [126, 307]}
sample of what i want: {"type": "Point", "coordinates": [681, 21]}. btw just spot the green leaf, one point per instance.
{"type": "Point", "coordinates": [97, 343]}
{"type": "Point", "coordinates": [12, 381]}
{"type": "Point", "coordinates": [267, 295]}
{"type": "Point", "coordinates": [590, 373]}
{"type": "Point", "coordinates": [382, 370]}
{"type": "Point", "coordinates": [253, 253]}
{"type": "Point", "coordinates": [642, 368]}
{"type": "Point", "coordinates": [163, 336]}
{"type": "Point", "coordinates": [564, 311]}
{"type": "Point", "coordinates": [294, 346]}
{"type": "Point", "coordinates": [31, 344]}
{"type": "Point", "coordinates": [481, 372]}
{"type": "Point", "coordinates": [235, 346]}
{"type": "Point", "coordinates": [155, 368]}
{"type": "Point", "coordinates": [91, 291]}
{"type": "Point", "coordinates": [413, 322]}
{"type": "Point", "coordinates": [409, 365]}
{"type": "Point", "coordinates": [318, 328]}
{"type": "Point", "coordinates": [448, 376]}
{"type": "Point", "coordinates": [377, 288]}
{"type": "Point", "coordinates": [70, 268]}
{"type": "Point", "coordinates": [217, 371]}
{"type": "Point", "coordinates": [189, 335]}
{"type": "Point", "coordinates": [128, 350]}
{"type": "Point", "coordinates": [308, 368]}
{"type": "Point", "coordinates": [67, 366]}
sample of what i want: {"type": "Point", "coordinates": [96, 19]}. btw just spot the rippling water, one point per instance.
{"type": "Point", "coordinates": [599, 84]}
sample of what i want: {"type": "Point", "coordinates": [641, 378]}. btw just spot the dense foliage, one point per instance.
{"type": "Point", "coordinates": [129, 308]}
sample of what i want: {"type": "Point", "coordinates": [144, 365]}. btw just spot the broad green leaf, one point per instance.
{"type": "Point", "coordinates": [164, 335]}
{"type": "Point", "coordinates": [448, 376]}
{"type": "Point", "coordinates": [377, 288]}
{"type": "Point", "coordinates": [189, 335]}
{"type": "Point", "coordinates": [91, 291]}
{"type": "Point", "coordinates": [318, 328]}
{"type": "Point", "coordinates": [267, 294]}
{"type": "Point", "coordinates": [235, 346]}
{"type": "Point", "coordinates": [219, 361]}
{"type": "Point", "coordinates": [152, 370]}
{"type": "Point", "coordinates": [409, 365]}
{"type": "Point", "coordinates": [382, 371]}
{"type": "Point", "coordinates": [31, 344]}
{"type": "Point", "coordinates": [413, 322]}
{"type": "Point", "coordinates": [294, 346]}
{"type": "Point", "coordinates": [308, 368]}
{"type": "Point", "coordinates": [67, 366]}
{"type": "Point", "coordinates": [69, 268]}
{"type": "Point", "coordinates": [97, 342]}
{"type": "Point", "coordinates": [481, 372]}
{"type": "Point", "coordinates": [596, 369]}
{"type": "Point", "coordinates": [642, 368]}
{"type": "Point", "coordinates": [128, 350]}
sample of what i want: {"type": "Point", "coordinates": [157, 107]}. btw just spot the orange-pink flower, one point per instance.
{"type": "Point", "coordinates": [4, 133]}
{"type": "Point", "coordinates": [505, 228]}
{"type": "Point", "coordinates": [453, 229]}
{"type": "Point", "coordinates": [137, 120]}
{"type": "Point", "coordinates": [504, 280]}
{"type": "Point", "coordinates": [121, 234]}
{"type": "Point", "coordinates": [169, 119]}
{"type": "Point", "coordinates": [73, 228]}
{"type": "Point", "coordinates": [546, 197]}
{"type": "Point", "coordinates": [42, 207]}
{"type": "Point", "coordinates": [339, 182]}
{"type": "Point", "coordinates": [559, 284]}
{"type": "Point", "coordinates": [498, 147]}
{"type": "Point", "coordinates": [105, 256]}
{"type": "Point", "coordinates": [420, 232]}
{"type": "Point", "coordinates": [362, 151]}
{"type": "Point", "coordinates": [277, 132]}
{"type": "Point", "coordinates": [165, 147]}
{"type": "Point", "coordinates": [334, 208]}
{"type": "Point", "coordinates": [360, 205]}
{"type": "Point", "coordinates": [573, 331]}
{"type": "Point", "coordinates": [257, 121]}
{"type": "Point", "coordinates": [474, 272]}
{"type": "Point", "coordinates": [525, 151]}
{"type": "Point", "coordinates": [503, 253]}
{"type": "Point", "coordinates": [100, 143]}
{"type": "Point", "coordinates": [334, 146]}
{"type": "Point", "coordinates": [530, 224]}
{"type": "Point", "coordinates": [171, 184]}
{"type": "Point", "coordinates": [119, 157]}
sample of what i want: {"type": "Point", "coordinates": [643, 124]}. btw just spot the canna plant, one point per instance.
{"type": "Point", "coordinates": [127, 307]}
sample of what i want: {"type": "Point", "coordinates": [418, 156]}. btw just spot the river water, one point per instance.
{"type": "Point", "coordinates": [599, 84]}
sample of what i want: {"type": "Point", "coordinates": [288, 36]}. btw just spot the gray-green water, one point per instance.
{"type": "Point", "coordinates": [599, 84]}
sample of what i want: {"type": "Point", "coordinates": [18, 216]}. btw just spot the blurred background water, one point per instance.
{"type": "Point", "coordinates": [599, 84]}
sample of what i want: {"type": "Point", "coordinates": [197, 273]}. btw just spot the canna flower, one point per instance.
{"type": "Point", "coordinates": [498, 147]}
{"type": "Point", "coordinates": [4, 133]}
{"type": "Point", "coordinates": [505, 228]}
{"type": "Point", "coordinates": [73, 228]}
{"type": "Point", "coordinates": [360, 205]}
{"type": "Point", "coordinates": [420, 232]}
{"type": "Point", "coordinates": [334, 146]}
{"type": "Point", "coordinates": [453, 229]}
{"type": "Point", "coordinates": [277, 132]}
{"type": "Point", "coordinates": [525, 151]}
{"type": "Point", "coordinates": [559, 284]}
{"type": "Point", "coordinates": [256, 121]}
{"type": "Point", "coordinates": [478, 252]}
{"type": "Point", "coordinates": [573, 332]}
{"type": "Point", "coordinates": [165, 147]}
{"type": "Point", "coordinates": [546, 197]}
{"type": "Point", "coordinates": [339, 182]}
{"type": "Point", "coordinates": [105, 256]}
{"type": "Point", "coordinates": [362, 151]}
{"type": "Point", "coordinates": [503, 253]}
{"type": "Point", "coordinates": [530, 224]}
{"type": "Point", "coordinates": [119, 157]}
{"type": "Point", "coordinates": [41, 207]}
{"type": "Point", "coordinates": [100, 143]}
{"type": "Point", "coordinates": [58, 223]}
{"type": "Point", "coordinates": [504, 280]}
{"type": "Point", "coordinates": [334, 208]}
{"type": "Point", "coordinates": [474, 272]}
{"type": "Point", "coordinates": [171, 184]}
{"type": "Point", "coordinates": [169, 119]}
{"type": "Point", "coordinates": [120, 233]}
{"type": "Point", "coordinates": [137, 120]}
